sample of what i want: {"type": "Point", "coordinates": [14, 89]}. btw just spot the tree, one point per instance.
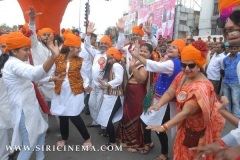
{"type": "Point", "coordinates": [112, 32]}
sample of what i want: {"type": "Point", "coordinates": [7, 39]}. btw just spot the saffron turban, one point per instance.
{"type": "Point", "coordinates": [106, 39]}
{"type": "Point", "coordinates": [138, 29]}
{"type": "Point", "coordinates": [227, 4]}
{"type": "Point", "coordinates": [66, 32]}
{"type": "Point", "coordinates": [44, 30]}
{"type": "Point", "coordinates": [24, 28]}
{"type": "Point", "coordinates": [3, 38]}
{"type": "Point", "coordinates": [17, 40]}
{"type": "Point", "coordinates": [72, 40]}
{"type": "Point", "coordinates": [197, 52]}
{"type": "Point", "coordinates": [115, 53]}
{"type": "Point", "coordinates": [180, 43]}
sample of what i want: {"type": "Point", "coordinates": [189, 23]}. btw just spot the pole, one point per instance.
{"type": "Point", "coordinates": [87, 19]}
{"type": "Point", "coordinates": [79, 15]}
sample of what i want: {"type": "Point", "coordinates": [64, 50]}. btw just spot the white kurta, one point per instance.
{"type": "Point", "coordinates": [66, 103]}
{"type": "Point", "coordinates": [110, 100]}
{"type": "Point", "coordinates": [40, 54]}
{"type": "Point", "coordinates": [17, 77]}
{"type": "Point", "coordinates": [156, 117]}
{"type": "Point", "coordinates": [4, 105]}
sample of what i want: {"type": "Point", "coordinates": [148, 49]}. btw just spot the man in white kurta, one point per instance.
{"type": "Point", "coordinates": [40, 54]}
{"type": "Point", "coordinates": [99, 62]}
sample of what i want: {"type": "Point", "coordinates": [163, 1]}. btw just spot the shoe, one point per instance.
{"type": "Point", "coordinates": [103, 133]}
{"type": "Point", "coordinates": [93, 125]}
{"type": "Point", "coordinates": [13, 156]}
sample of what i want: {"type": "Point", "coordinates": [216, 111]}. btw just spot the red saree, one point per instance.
{"type": "Point", "coordinates": [129, 130]}
{"type": "Point", "coordinates": [202, 94]}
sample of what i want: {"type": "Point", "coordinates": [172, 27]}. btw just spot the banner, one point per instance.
{"type": "Point", "coordinates": [160, 13]}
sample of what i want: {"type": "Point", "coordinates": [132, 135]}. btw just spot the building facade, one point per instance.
{"type": "Point", "coordinates": [208, 17]}
{"type": "Point", "coordinates": [186, 22]}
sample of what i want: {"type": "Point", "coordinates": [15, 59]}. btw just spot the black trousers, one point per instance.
{"type": "Point", "coordinates": [162, 136]}
{"type": "Point", "coordinates": [79, 124]}
{"type": "Point", "coordinates": [110, 126]}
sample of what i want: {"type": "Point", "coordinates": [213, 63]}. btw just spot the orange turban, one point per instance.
{"type": "Point", "coordinates": [222, 4]}
{"type": "Point", "coordinates": [72, 40]}
{"type": "Point", "coordinates": [3, 38]}
{"type": "Point", "coordinates": [180, 43]}
{"type": "Point", "coordinates": [197, 52]}
{"type": "Point", "coordinates": [106, 39]}
{"type": "Point", "coordinates": [17, 40]}
{"type": "Point", "coordinates": [64, 34]}
{"type": "Point", "coordinates": [116, 53]}
{"type": "Point", "coordinates": [44, 30]}
{"type": "Point", "coordinates": [138, 29]}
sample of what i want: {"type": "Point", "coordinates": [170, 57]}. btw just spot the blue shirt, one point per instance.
{"type": "Point", "coordinates": [230, 69]}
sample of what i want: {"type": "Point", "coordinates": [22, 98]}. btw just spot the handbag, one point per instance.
{"type": "Point", "coordinates": [192, 137]}
{"type": "Point", "coordinates": [147, 100]}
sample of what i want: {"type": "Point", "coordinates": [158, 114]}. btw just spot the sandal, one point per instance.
{"type": "Point", "coordinates": [87, 145]}
{"type": "Point", "coordinates": [132, 150]}
{"type": "Point", "coordinates": [124, 145]}
{"type": "Point", "coordinates": [147, 147]}
{"type": "Point", "coordinates": [162, 157]}
{"type": "Point", "coordinates": [61, 144]}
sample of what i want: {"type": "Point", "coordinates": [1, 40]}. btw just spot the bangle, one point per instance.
{"type": "Point", "coordinates": [222, 143]}
{"type": "Point", "coordinates": [165, 126]}
{"type": "Point", "coordinates": [105, 84]}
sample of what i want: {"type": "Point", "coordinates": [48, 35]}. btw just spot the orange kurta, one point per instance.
{"type": "Point", "coordinates": [199, 93]}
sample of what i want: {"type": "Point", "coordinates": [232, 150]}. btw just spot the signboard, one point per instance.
{"type": "Point", "coordinates": [160, 13]}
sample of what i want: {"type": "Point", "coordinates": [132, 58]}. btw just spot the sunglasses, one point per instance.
{"type": "Point", "coordinates": [191, 65]}
{"type": "Point", "coordinates": [235, 17]}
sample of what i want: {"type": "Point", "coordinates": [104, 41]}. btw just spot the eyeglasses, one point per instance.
{"type": "Point", "coordinates": [3, 46]}
{"type": "Point", "coordinates": [191, 65]}
{"type": "Point", "coordinates": [235, 17]}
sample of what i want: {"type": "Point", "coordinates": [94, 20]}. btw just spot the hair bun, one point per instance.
{"type": "Point", "coordinates": [201, 46]}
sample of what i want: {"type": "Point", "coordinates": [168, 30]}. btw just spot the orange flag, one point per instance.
{"type": "Point", "coordinates": [52, 12]}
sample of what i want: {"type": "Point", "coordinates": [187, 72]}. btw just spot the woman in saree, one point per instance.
{"type": "Point", "coordinates": [198, 120]}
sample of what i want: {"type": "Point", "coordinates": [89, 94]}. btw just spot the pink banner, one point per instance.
{"type": "Point", "coordinates": [160, 13]}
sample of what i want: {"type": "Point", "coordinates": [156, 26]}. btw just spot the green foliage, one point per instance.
{"type": "Point", "coordinates": [4, 28]}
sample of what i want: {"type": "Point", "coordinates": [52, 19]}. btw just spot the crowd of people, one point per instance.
{"type": "Point", "coordinates": [186, 85]}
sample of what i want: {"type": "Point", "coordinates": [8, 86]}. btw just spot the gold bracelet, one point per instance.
{"type": "Point", "coordinates": [163, 128]}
